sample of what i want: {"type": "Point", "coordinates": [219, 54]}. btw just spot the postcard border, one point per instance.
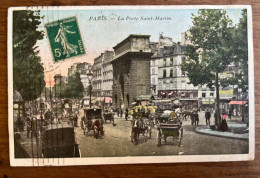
{"type": "Point", "coordinates": [134, 159]}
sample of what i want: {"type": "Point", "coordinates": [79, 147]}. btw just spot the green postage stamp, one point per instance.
{"type": "Point", "coordinates": [64, 38]}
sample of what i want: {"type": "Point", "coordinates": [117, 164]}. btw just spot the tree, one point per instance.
{"type": "Point", "coordinates": [74, 87]}
{"type": "Point", "coordinates": [28, 75]}
{"type": "Point", "coordinates": [241, 51]}
{"type": "Point", "coordinates": [60, 90]}
{"type": "Point", "coordinates": [212, 36]}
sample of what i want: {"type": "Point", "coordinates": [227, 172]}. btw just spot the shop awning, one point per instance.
{"type": "Point", "coordinates": [238, 102]}
{"type": "Point", "coordinates": [108, 100]}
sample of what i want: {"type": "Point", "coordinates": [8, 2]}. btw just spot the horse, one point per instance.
{"type": "Point", "coordinates": [140, 126]}
{"type": "Point", "coordinates": [98, 128]}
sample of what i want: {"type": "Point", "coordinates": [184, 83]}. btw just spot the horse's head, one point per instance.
{"type": "Point", "coordinates": [136, 123]}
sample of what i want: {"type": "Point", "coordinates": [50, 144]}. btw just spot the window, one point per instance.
{"type": "Point", "coordinates": [152, 62]}
{"type": "Point", "coordinates": [164, 62]}
{"type": "Point", "coordinates": [153, 80]}
{"type": "Point", "coordinates": [164, 73]}
{"type": "Point", "coordinates": [153, 70]}
{"type": "Point", "coordinates": [164, 85]}
{"type": "Point", "coordinates": [182, 73]}
{"type": "Point", "coordinates": [171, 62]}
{"type": "Point", "coordinates": [203, 95]}
{"type": "Point", "coordinates": [171, 73]}
{"type": "Point", "coordinates": [211, 94]}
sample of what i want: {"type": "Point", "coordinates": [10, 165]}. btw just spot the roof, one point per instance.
{"type": "Point", "coordinates": [130, 36]}
{"type": "Point", "coordinates": [17, 96]}
{"type": "Point", "coordinates": [58, 126]}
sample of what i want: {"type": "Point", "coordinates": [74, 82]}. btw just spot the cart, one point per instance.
{"type": "Point", "coordinates": [109, 116]}
{"type": "Point", "coordinates": [58, 141]}
{"type": "Point", "coordinates": [93, 120]}
{"type": "Point", "coordinates": [169, 129]}
{"type": "Point", "coordinates": [140, 127]}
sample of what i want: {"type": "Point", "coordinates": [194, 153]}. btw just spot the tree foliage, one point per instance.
{"type": "Point", "coordinates": [73, 89]}
{"type": "Point", "coordinates": [28, 75]}
{"type": "Point", "coordinates": [211, 51]}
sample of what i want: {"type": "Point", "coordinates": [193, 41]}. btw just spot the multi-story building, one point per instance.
{"type": "Point", "coordinates": [103, 75]}
{"type": "Point", "coordinates": [172, 81]}
{"type": "Point", "coordinates": [107, 80]}
{"type": "Point", "coordinates": [97, 76]}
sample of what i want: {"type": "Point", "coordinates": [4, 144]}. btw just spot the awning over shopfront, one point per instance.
{"type": "Point", "coordinates": [108, 100]}
{"type": "Point", "coordinates": [238, 102]}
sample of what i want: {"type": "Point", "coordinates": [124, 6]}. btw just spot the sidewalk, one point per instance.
{"type": "Point", "coordinates": [237, 129]}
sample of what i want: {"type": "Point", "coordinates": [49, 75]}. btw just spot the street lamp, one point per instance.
{"type": "Point", "coordinates": [90, 75]}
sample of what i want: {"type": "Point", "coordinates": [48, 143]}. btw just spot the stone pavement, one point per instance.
{"type": "Point", "coordinates": [237, 129]}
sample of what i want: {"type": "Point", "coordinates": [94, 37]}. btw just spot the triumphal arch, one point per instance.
{"type": "Point", "coordinates": [131, 70]}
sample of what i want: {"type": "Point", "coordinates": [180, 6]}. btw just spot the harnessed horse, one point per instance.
{"type": "Point", "coordinates": [98, 128]}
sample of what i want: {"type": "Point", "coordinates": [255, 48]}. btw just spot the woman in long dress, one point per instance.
{"type": "Point", "coordinates": [223, 126]}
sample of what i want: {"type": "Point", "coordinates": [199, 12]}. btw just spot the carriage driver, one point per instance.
{"type": "Point", "coordinates": [173, 116]}
{"type": "Point", "coordinates": [138, 115]}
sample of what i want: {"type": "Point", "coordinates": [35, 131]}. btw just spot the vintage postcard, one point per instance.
{"type": "Point", "coordinates": [130, 84]}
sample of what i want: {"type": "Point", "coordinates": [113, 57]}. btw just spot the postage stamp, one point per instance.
{"type": "Point", "coordinates": [65, 38]}
{"type": "Point", "coordinates": [130, 84]}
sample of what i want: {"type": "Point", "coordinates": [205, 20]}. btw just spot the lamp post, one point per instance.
{"type": "Point", "coordinates": [90, 75]}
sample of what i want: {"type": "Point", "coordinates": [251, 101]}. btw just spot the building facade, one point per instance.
{"type": "Point", "coordinates": [131, 70]}
{"type": "Point", "coordinates": [172, 81]}
{"type": "Point", "coordinates": [107, 80]}
{"type": "Point", "coordinates": [97, 76]}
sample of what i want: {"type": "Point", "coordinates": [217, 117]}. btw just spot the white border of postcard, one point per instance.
{"type": "Point", "coordinates": [134, 159]}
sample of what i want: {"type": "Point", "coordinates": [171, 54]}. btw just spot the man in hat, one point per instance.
{"type": "Point", "coordinates": [173, 116]}
{"type": "Point", "coordinates": [207, 116]}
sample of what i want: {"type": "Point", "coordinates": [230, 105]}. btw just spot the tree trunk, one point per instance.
{"type": "Point", "coordinates": [217, 107]}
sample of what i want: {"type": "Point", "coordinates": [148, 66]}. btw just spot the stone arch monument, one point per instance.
{"type": "Point", "coordinates": [131, 69]}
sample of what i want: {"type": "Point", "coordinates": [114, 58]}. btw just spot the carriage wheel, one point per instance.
{"type": "Point", "coordinates": [179, 142]}
{"type": "Point", "coordinates": [159, 139]}
{"type": "Point", "coordinates": [84, 130]}
{"type": "Point", "coordinates": [131, 136]}
{"type": "Point", "coordinates": [145, 136]}
{"type": "Point", "coordinates": [135, 138]}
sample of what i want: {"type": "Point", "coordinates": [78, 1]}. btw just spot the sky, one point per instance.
{"type": "Point", "coordinates": [101, 35]}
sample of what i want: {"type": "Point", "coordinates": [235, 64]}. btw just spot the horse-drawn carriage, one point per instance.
{"type": "Point", "coordinates": [58, 141]}
{"type": "Point", "coordinates": [169, 129]}
{"type": "Point", "coordinates": [109, 116]}
{"type": "Point", "coordinates": [93, 120]}
{"type": "Point", "coordinates": [143, 127]}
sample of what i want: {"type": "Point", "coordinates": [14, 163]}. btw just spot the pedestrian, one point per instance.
{"type": "Point", "coordinates": [223, 126]}
{"type": "Point", "coordinates": [117, 110]}
{"type": "Point", "coordinates": [207, 116]}
{"type": "Point", "coordinates": [192, 118]}
{"type": "Point", "coordinates": [196, 118]}
{"type": "Point", "coordinates": [143, 111]}
{"type": "Point", "coordinates": [33, 127]}
{"type": "Point", "coordinates": [126, 114]}
{"type": "Point", "coordinates": [229, 113]}
{"type": "Point", "coordinates": [28, 126]}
